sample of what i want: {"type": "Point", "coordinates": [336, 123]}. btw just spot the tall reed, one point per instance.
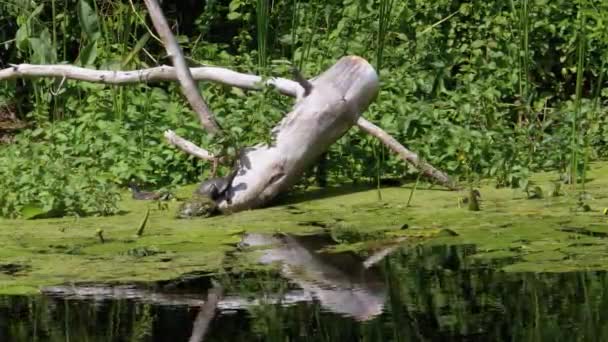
{"type": "Point", "coordinates": [521, 16]}
{"type": "Point", "coordinates": [580, 68]}
{"type": "Point", "coordinates": [384, 18]}
{"type": "Point", "coordinates": [262, 16]}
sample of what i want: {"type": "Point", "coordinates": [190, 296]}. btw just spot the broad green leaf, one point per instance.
{"type": "Point", "coordinates": [88, 20]}
{"type": "Point", "coordinates": [22, 37]}
{"type": "Point", "coordinates": [234, 15]}
{"type": "Point", "coordinates": [88, 55]}
{"type": "Point", "coordinates": [44, 53]}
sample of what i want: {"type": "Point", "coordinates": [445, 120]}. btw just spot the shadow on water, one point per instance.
{"type": "Point", "coordinates": [417, 293]}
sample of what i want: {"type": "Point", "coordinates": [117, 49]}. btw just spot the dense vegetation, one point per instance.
{"type": "Point", "coordinates": [478, 88]}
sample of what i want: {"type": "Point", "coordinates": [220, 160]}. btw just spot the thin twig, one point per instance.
{"type": "Point", "coordinates": [143, 22]}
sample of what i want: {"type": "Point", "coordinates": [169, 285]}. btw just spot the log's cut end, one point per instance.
{"type": "Point", "coordinates": [338, 97]}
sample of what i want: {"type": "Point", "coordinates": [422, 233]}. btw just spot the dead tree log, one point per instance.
{"type": "Point", "coordinates": [337, 98]}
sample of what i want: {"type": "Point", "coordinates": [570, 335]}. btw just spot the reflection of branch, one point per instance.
{"type": "Point", "coordinates": [189, 87]}
{"type": "Point", "coordinates": [381, 254]}
{"type": "Point", "coordinates": [206, 314]}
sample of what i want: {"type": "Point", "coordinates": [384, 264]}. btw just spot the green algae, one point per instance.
{"type": "Point", "coordinates": [542, 234]}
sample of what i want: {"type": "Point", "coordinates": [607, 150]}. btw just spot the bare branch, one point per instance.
{"type": "Point", "coordinates": [189, 87]}
{"type": "Point", "coordinates": [161, 73]}
{"type": "Point", "coordinates": [188, 147]}
{"type": "Point", "coordinates": [407, 155]}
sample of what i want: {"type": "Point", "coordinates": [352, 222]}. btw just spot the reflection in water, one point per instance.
{"type": "Point", "coordinates": [339, 281]}
{"type": "Point", "coordinates": [431, 294]}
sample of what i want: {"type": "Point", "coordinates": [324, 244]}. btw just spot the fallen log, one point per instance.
{"type": "Point", "coordinates": [337, 98]}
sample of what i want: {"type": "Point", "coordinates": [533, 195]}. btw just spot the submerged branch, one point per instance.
{"type": "Point", "coordinates": [189, 87]}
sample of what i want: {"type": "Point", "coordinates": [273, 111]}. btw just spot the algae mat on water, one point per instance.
{"type": "Point", "coordinates": [542, 234]}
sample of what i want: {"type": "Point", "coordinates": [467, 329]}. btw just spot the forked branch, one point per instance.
{"type": "Point", "coordinates": [186, 81]}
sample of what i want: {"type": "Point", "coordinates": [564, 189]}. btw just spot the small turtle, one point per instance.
{"type": "Point", "coordinates": [197, 206]}
{"type": "Point", "coordinates": [204, 199]}
{"type": "Point", "coordinates": [214, 188]}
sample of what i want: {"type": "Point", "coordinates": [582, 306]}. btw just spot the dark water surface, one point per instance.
{"type": "Point", "coordinates": [415, 294]}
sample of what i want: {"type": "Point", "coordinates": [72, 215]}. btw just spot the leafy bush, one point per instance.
{"type": "Point", "coordinates": [42, 181]}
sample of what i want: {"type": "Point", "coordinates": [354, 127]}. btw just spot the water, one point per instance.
{"type": "Point", "coordinates": [415, 294]}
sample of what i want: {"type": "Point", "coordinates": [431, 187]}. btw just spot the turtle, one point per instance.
{"type": "Point", "coordinates": [197, 206]}
{"type": "Point", "coordinates": [205, 197]}
{"type": "Point", "coordinates": [214, 188]}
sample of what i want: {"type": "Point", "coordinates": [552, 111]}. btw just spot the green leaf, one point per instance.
{"type": "Point", "coordinates": [88, 20]}
{"type": "Point", "coordinates": [234, 16]}
{"type": "Point", "coordinates": [88, 55]}
{"type": "Point", "coordinates": [234, 5]}
{"type": "Point", "coordinates": [44, 53]}
{"type": "Point", "coordinates": [22, 37]}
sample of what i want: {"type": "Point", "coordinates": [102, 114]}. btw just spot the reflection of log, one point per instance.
{"type": "Point", "coordinates": [100, 293]}
{"type": "Point", "coordinates": [340, 281]}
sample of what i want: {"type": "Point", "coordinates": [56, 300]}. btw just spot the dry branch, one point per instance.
{"type": "Point", "coordinates": [189, 87]}
{"type": "Point", "coordinates": [156, 74]}
{"type": "Point", "coordinates": [188, 147]}
{"type": "Point", "coordinates": [407, 155]}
